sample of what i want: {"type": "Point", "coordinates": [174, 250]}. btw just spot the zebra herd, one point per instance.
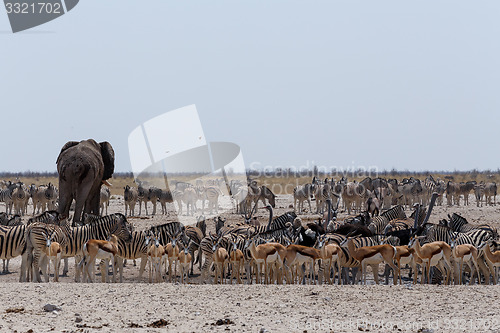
{"type": "Point", "coordinates": [376, 194]}
{"type": "Point", "coordinates": [187, 197]}
{"type": "Point", "coordinates": [16, 197]}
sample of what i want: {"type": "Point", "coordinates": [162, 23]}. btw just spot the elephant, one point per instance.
{"type": "Point", "coordinates": [83, 167]}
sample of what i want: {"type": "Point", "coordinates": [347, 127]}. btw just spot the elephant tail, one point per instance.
{"type": "Point", "coordinates": [77, 170]}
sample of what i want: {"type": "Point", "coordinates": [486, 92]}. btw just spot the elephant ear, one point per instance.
{"type": "Point", "coordinates": [68, 144]}
{"type": "Point", "coordinates": [108, 157]}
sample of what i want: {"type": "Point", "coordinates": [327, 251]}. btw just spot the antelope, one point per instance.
{"type": "Point", "coordinates": [220, 258]}
{"type": "Point", "coordinates": [465, 253]}
{"type": "Point", "coordinates": [155, 256]}
{"type": "Point", "coordinates": [431, 255]}
{"type": "Point", "coordinates": [330, 254]}
{"type": "Point", "coordinates": [172, 253]}
{"type": "Point", "coordinates": [262, 255]}
{"type": "Point", "coordinates": [405, 256]}
{"type": "Point", "coordinates": [53, 254]}
{"type": "Point", "coordinates": [492, 257]}
{"type": "Point", "coordinates": [184, 258]}
{"type": "Point", "coordinates": [298, 255]}
{"type": "Point", "coordinates": [370, 255]}
{"type": "Point", "coordinates": [236, 259]}
{"type": "Point", "coordinates": [99, 249]}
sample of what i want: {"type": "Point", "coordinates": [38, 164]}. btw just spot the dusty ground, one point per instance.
{"type": "Point", "coordinates": [134, 305]}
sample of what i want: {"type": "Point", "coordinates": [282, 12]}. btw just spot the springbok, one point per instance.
{"type": "Point", "coordinates": [220, 259]}
{"type": "Point", "coordinates": [404, 256]}
{"type": "Point", "coordinates": [465, 253]}
{"type": "Point", "coordinates": [297, 255]}
{"type": "Point", "coordinates": [432, 254]}
{"type": "Point", "coordinates": [184, 258]}
{"type": "Point", "coordinates": [156, 253]}
{"type": "Point", "coordinates": [491, 257]}
{"type": "Point", "coordinates": [99, 249]}
{"type": "Point", "coordinates": [236, 259]}
{"type": "Point", "coordinates": [330, 254]}
{"type": "Point", "coordinates": [172, 253]}
{"type": "Point", "coordinates": [52, 254]}
{"type": "Point", "coordinates": [370, 255]}
{"type": "Point", "coordinates": [262, 254]}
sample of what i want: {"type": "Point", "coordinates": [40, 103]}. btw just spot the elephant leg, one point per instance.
{"type": "Point", "coordinates": [82, 197]}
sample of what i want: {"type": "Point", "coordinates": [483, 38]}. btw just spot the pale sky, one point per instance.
{"type": "Point", "coordinates": [394, 84]}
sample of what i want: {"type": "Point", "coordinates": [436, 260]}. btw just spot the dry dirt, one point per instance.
{"type": "Point", "coordinates": [139, 306]}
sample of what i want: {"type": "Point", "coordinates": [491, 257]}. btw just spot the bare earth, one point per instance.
{"type": "Point", "coordinates": [139, 306]}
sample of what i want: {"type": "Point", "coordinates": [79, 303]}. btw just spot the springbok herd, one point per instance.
{"type": "Point", "coordinates": [288, 248]}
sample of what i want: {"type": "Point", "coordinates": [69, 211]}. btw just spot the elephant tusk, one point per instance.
{"type": "Point", "coordinates": [105, 182]}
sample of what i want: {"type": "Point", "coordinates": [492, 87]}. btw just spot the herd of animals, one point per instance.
{"type": "Point", "coordinates": [376, 230]}
{"type": "Point", "coordinates": [286, 249]}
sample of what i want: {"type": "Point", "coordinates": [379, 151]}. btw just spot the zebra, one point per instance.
{"type": "Point", "coordinates": [135, 248]}
{"type": "Point", "coordinates": [452, 193]}
{"type": "Point", "coordinates": [4, 218]}
{"type": "Point", "coordinates": [12, 244]}
{"type": "Point", "coordinates": [104, 199]}
{"type": "Point", "coordinates": [153, 194]}
{"type": "Point", "coordinates": [195, 234]}
{"type": "Point", "coordinates": [460, 224]}
{"type": "Point", "coordinates": [189, 197]}
{"type": "Point", "coordinates": [435, 232]}
{"type": "Point", "coordinates": [378, 223]}
{"type": "Point", "coordinates": [300, 194]}
{"type": "Point", "coordinates": [48, 217]}
{"type": "Point", "coordinates": [130, 198]}
{"type": "Point", "coordinates": [19, 196]}
{"type": "Point", "coordinates": [51, 194]}
{"type": "Point", "coordinates": [6, 197]}
{"type": "Point", "coordinates": [142, 196]}
{"type": "Point", "coordinates": [212, 194]}
{"type": "Point", "coordinates": [167, 231]}
{"type": "Point", "coordinates": [116, 224]}
{"type": "Point", "coordinates": [266, 193]}
{"type": "Point", "coordinates": [165, 196]}
{"type": "Point", "coordinates": [322, 193]}
{"type": "Point", "coordinates": [12, 222]}
{"type": "Point", "coordinates": [465, 189]}
{"type": "Point", "coordinates": [36, 242]}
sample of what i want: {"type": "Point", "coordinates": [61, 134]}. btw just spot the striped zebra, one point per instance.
{"type": "Point", "coordinates": [164, 197]}
{"type": "Point", "coordinates": [195, 235]}
{"type": "Point", "coordinates": [267, 194]}
{"type": "Point", "coordinates": [48, 217]}
{"type": "Point", "coordinates": [460, 224]}
{"type": "Point", "coordinates": [135, 248]}
{"type": "Point", "coordinates": [36, 243]}
{"type": "Point", "coordinates": [435, 232]}
{"type": "Point", "coordinates": [130, 198]}
{"type": "Point", "coordinates": [102, 229]}
{"type": "Point", "coordinates": [142, 197]}
{"type": "Point", "coordinates": [212, 194]}
{"type": "Point", "coordinates": [301, 194]}
{"type": "Point", "coordinates": [4, 218]}
{"type": "Point", "coordinates": [167, 231]}
{"type": "Point", "coordinates": [12, 222]}
{"type": "Point", "coordinates": [153, 194]}
{"type": "Point", "coordinates": [322, 193]}
{"type": "Point", "coordinates": [12, 244]}
{"type": "Point", "coordinates": [6, 197]}
{"type": "Point", "coordinates": [104, 199]}
{"type": "Point", "coordinates": [378, 223]}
